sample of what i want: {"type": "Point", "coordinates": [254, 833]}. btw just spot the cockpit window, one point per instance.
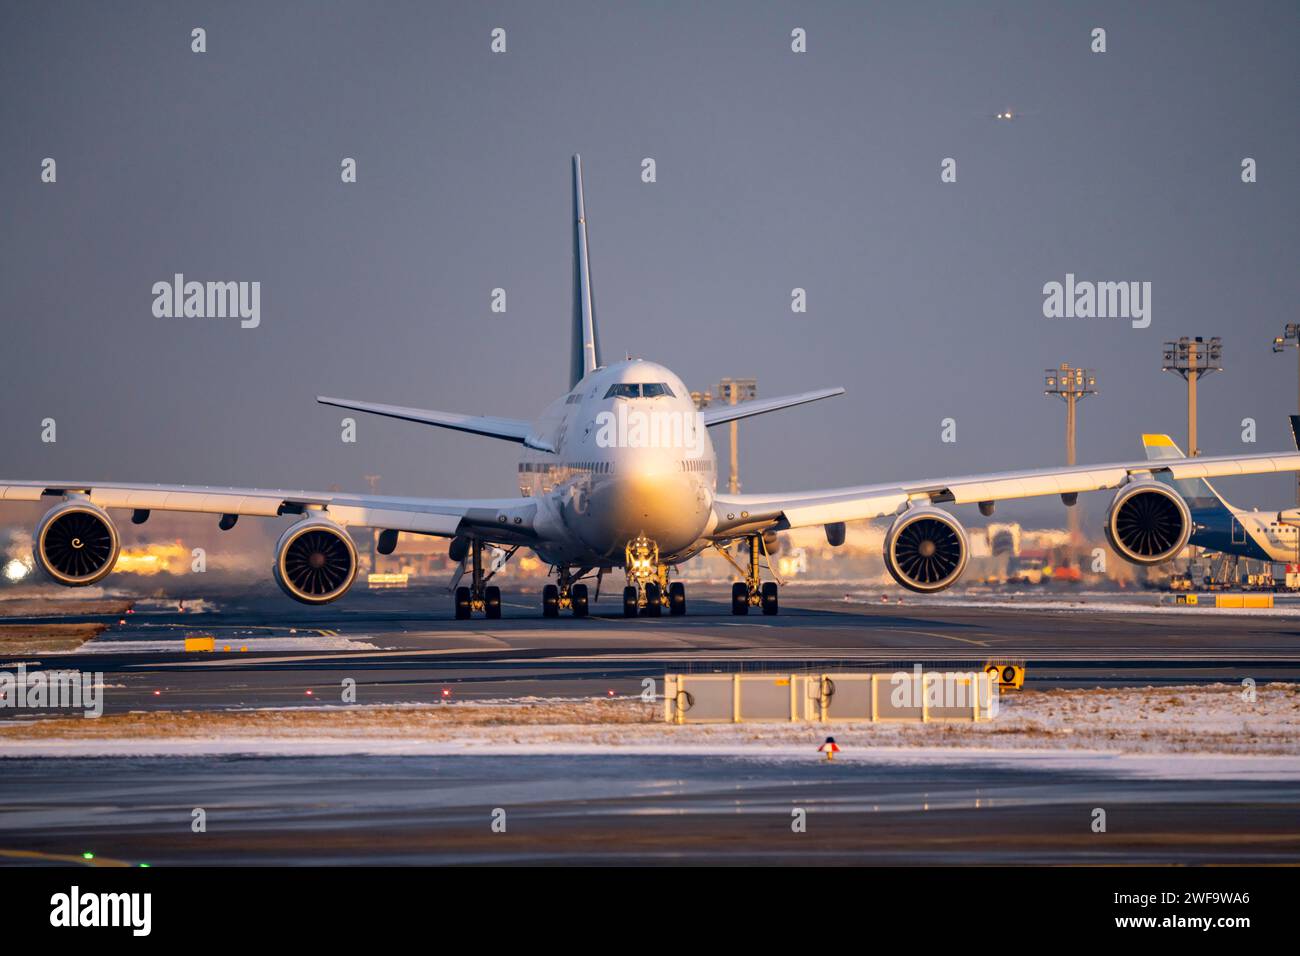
{"type": "Point", "coordinates": [645, 390]}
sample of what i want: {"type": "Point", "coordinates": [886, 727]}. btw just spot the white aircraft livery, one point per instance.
{"type": "Point", "coordinates": [619, 473]}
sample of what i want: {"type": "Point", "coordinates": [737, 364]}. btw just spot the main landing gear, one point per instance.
{"type": "Point", "coordinates": [479, 596]}
{"type": "Point", "coordinates": [648, 591]}
{"type": "Point", "coordinates": [753, 591]}
{"type": "Point", "coordinates": [565, 596]}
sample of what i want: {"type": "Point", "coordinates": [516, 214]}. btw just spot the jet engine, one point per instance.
{"type": "Point", "coordinates": [1148, 523]}
{"type": "Point", "coordinates": [926, 549]}
{"type": "Point", "coordinates": [316, 561]}
{"type": "Point", "coordinates": [76, 543]}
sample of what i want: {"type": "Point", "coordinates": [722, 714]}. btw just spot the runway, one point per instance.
{"type": "Point", "coordinates": [403, 646]}
{"type": "Point", "coordinates": [627, 810]}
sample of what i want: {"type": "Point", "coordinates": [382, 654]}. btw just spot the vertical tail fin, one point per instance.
{"type": "Point", "coordinates": [1197, 492]}
{"type": "Point", "coordinates": [585, 349]}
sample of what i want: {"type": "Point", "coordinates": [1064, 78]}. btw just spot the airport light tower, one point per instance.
{"type": "Point", "coordinates": [1290, 338]}
{"type": "Point", "coordinates": [1071, 385]}
{"type": "Point", "coordinates": [733, 391]}
{"type": "Point", "coordinates": [373, 482]}
{"type": "Point", "coordinates": [1192, 359]}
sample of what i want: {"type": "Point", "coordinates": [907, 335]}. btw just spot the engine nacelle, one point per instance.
{"type": "Point", "coordinates": [1148, 523]}
{"type": "Point", "coordinates": [76, 543]}
{"type": "Point", "coordinates": [926, 549]}
{"type": "Point", "coordinates": [315, 561]}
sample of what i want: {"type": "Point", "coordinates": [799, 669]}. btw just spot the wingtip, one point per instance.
{"type": "Point", "coordinates": [1163, 441]}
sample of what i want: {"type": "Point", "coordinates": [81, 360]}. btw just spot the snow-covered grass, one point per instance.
{"type": "Point", "coordinates": [1100, 602]}
{"type": "Point", "coordinates": [1216, 720]}
{"type": "Point", "coordinates": [303, 642]}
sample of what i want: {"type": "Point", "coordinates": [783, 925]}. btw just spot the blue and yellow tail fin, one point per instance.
{"type": "Point", "coordinates": [1197, 492]}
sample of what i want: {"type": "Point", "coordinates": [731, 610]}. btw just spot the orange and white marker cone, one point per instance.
{"type": "Point", "coordinates": [830, 748]}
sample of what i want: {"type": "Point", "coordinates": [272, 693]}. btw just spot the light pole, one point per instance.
{"type": "Point", "coordinates": [1071, 385]}
{"type": "Point", "coordinates": [1290, 339]}
{"type": "Point", "coordinates": [733, 391]}
{"type": "Point", "coordinates": [373, 482]}
{"type": "Point", "coordinates": [1193, 359]}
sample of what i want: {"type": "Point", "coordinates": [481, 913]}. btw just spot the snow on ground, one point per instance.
{"type": "Point", "coordinates": [301, 642]}
{"type": "Point", "coordinates": [1099, 602]}
{"type": "Point", "coordinates": [1214, 730]}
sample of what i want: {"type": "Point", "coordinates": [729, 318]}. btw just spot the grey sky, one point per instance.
{"type": "Point", "coordinates": [775, 170]}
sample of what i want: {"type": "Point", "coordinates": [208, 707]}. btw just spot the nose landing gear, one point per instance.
{"type": "Point", "coordinates": [648, 591]}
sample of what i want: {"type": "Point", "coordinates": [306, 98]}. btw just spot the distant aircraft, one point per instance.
{"type": "Point", "coordinates": [1009, 115]}
{"type": "Point", "coordinates": [1218, 526]}
{"type": "Point", "coordinates": [618, 473]}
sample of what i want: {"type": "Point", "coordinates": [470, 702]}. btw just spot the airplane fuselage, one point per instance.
{"type": "Point", "coordinates": [1257, 535]}
{"type": "Point", "coordinates": [632, 457]}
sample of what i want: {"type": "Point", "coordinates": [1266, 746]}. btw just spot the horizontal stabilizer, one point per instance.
{"type": "Point", "coordinates": [729, 413]}
{"type": "Point", "coordinates": [507, 429]}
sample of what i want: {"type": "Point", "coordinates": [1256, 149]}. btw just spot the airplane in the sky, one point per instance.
{"type": "Point", "coordinates": [619, 473]}
{"type": "Point", "coordinates": [1218, 526]}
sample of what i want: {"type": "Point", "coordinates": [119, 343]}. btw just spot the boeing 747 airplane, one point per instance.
{"type": "Point", "coordinates": [619, 473]}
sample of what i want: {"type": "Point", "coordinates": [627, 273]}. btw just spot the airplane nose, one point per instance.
{"type": "Point", "coordinates": [670, 509]}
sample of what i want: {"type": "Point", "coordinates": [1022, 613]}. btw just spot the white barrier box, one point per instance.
{"type": "Point", "coordinates": [915, 696]}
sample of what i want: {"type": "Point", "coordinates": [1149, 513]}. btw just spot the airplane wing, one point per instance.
{"type": "Point", "coordinates": [509, 429]}
{"type": "Point", "coordinates": [729, 413]}
{"type": "Point", "coordinates": [746, 514]}
{"type": "Point", "coordinates": [499, 520]}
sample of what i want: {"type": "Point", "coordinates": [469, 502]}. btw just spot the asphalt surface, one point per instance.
{"type": "Point", "coordinates": [626, 810]}
{"type": "Point", "coordinates": [403, 646]}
